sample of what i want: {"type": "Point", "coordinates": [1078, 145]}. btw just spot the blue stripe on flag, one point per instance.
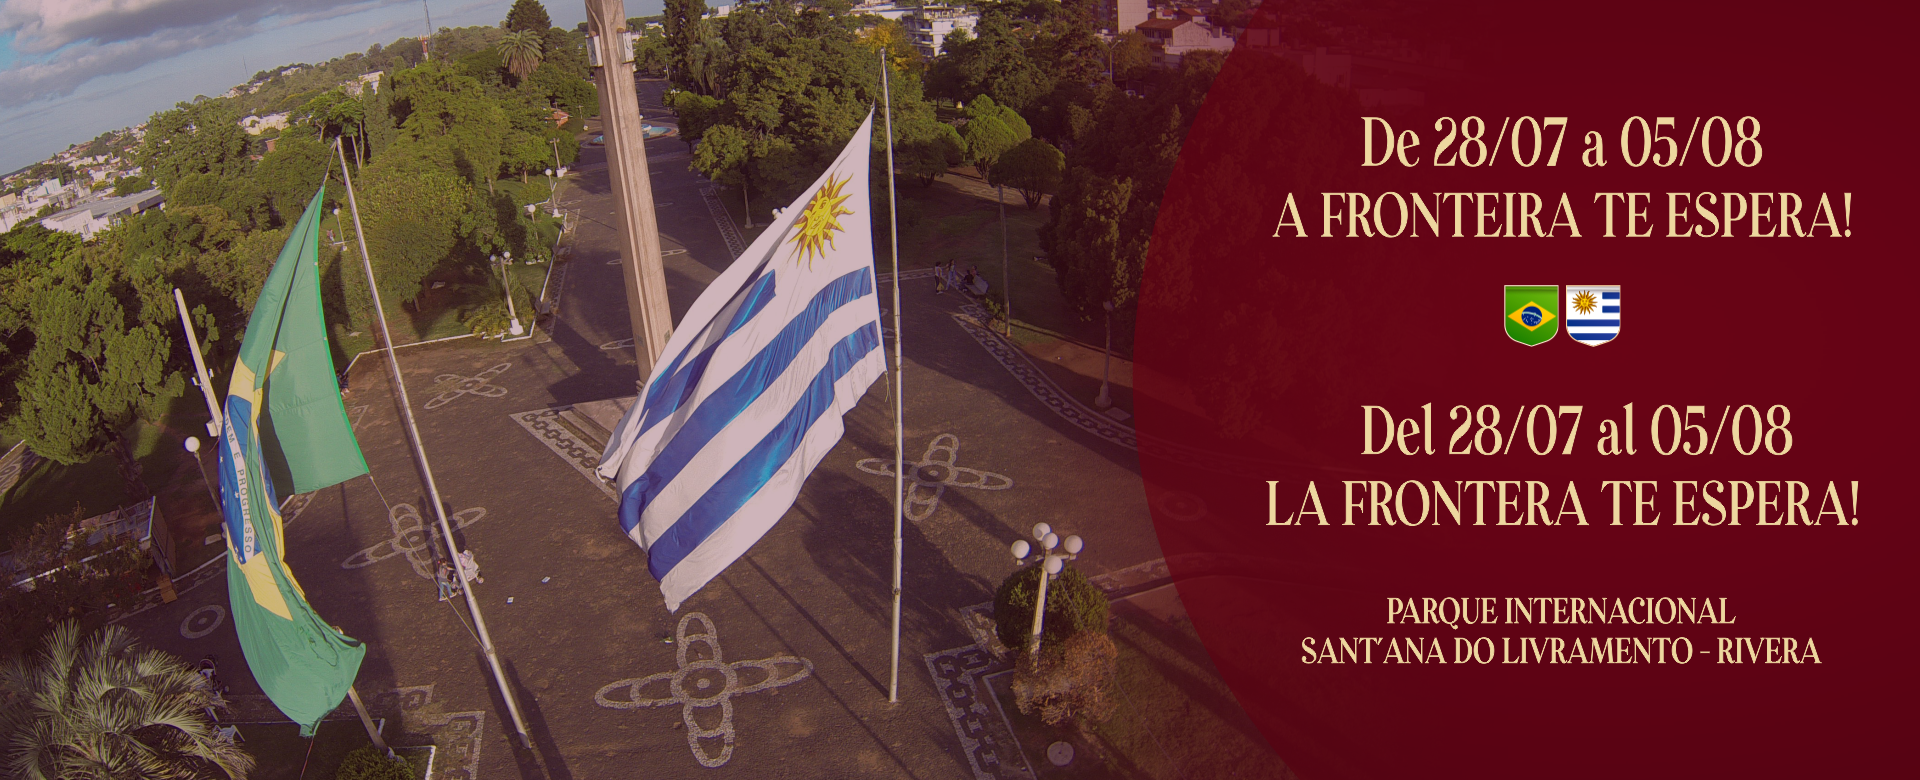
{"type": "Point", "coordinates": [1610, 296]}
{"type": "Point", "coordinates": [233, 488]}
{"type": "Point", "coordinates": [1608, 336]}
{"type": "Point", "coordinates": [1593, 323]}
{"type": "Point", "coordinates": [676, 383]}
{"type": "Point", "coordinates": [757, 297]}
{"type": "Point", "coordinates": [1609, 310]}
{"type": "Point", "coordinates": [731, 398]}
{"type": "Point", "coordinates": [752, 471]}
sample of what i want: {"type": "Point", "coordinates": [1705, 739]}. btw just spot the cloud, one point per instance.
{"type": "Point", "coordinates": [62, 44]}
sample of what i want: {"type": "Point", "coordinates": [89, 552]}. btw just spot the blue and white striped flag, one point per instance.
{"type": "Point", "coordinates": [747, 397]}
{"type": "Point", "coordinates": [1592, 313]}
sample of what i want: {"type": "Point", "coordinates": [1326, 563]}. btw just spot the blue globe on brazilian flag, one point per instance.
{"type": "Point", "coordinates": [1532, 312]}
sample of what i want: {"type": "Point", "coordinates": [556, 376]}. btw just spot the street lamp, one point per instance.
{"type": "Point", "coordinates": [505, 259]}
{"type": "Point", "coordinates": [193, 446]}
{"type": "Point", "coordinates": [1106, 368]}
{"type": "Point", "coordinates": [1051, 563]}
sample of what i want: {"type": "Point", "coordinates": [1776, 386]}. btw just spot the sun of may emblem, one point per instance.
{"type": "Point", "coordinates": [1585, 302]}
{"type": "Point", "coordinates": [820, 220]}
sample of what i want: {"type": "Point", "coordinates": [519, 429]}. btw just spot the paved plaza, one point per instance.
{"type": "Point", "coordinates": [779, 667]}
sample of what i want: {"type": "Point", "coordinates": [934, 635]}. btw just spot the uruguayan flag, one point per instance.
{"type": "Point", "coordinates": [747, 397]}
{"type": "Point", "coordinates": [1592, 313]}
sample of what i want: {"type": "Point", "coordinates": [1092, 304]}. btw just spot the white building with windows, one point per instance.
{"type": "Point", "coordinates": [885, 10]}
{"type": "Point", "coordinates": [87, 219]}
{"type": "Point", "coordinates": [1175, 38]}
{"type": "Point", "coordinates": [930, 25]}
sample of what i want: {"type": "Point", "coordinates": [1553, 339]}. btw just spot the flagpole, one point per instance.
{"type": "Point", "coordinates": [420, 459]}
{"type": "Point", "coordinates": [899, 435]}
{"type": "Point", "coordinates": [199, 367]}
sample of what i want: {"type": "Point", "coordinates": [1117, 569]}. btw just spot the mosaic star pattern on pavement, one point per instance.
{"type": "Point", "coordinates": [704, 681]}
{"type": "Point", "coordinates": [930, 476]}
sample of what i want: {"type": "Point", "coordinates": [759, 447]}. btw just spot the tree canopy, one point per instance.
{"type": "Point", "coordinates": [102, 706]}
{"type": "Point", "coordinates": [527, 16]}
{"type": "Point", "coordinates": [1033, 167]}
{"type": "Point", "coordinates": [796, 83]}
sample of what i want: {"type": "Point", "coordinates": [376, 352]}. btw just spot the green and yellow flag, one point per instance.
{"type": "Point", "coordinates": [286, 432]}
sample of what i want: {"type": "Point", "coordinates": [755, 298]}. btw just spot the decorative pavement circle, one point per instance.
{"type": "Point", "coordinates": [203, 621]}
{"type": "Point", "coordinates": [933, 473]}
{"type": "Point", "coordinates": [704, 681]}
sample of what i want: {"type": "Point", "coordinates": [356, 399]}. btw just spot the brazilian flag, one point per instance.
{"type": "Point", "coordinates": [1532, 311]}
{"type": "Point", "coordinates": [285, 432]}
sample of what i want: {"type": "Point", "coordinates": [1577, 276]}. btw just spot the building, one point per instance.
{"type": "Point", "coordinates": [361, 84]}
{"type": "Point", "coordinates": [1118, 16]}
{"type": "Point", "coordinates": [929, 26]}
{"type": "Point", "coordinates": [1175, 38]}
{"type": "Point", "coordinates": [87, 219]}
{"type": "Point", "coordinates": [255, 125]}
{"type": "Point", "coordinates": [886, 10]}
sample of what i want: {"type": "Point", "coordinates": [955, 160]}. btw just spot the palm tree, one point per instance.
{"type": "Point", "coordinates": [522, 51]}
{"type": "Point", "coordinates": [105, 708]}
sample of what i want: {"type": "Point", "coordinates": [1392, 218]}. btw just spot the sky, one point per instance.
{"type": "Point", "coordinates": [73, 69]}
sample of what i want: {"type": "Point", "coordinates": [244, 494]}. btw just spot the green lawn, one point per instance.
{"type": "Point", "coordinates": [95, 486]}
{"type": "Point", "coordinates": [281, 753]}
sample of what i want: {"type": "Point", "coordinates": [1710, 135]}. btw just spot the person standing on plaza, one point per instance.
{"type": "Point", "coordinates": [469, 571]}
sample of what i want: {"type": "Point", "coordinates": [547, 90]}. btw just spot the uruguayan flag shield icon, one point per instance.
{"type": "Point", "coordinates": [1593, 313]}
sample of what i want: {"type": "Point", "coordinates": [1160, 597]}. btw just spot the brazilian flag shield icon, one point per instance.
{"type": "Point", "coordinates": [1532, 312]}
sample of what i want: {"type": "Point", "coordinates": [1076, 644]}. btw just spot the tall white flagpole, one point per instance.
{"type": "Point", "coordinates": [199, 367]}
{"type": "Point", "coordinates": [899, 436]}
{"type": "Point", "coordinates": [420, 461]}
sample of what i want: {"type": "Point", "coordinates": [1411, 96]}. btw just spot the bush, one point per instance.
{"type": "Point", "coordinates": [1068, 680]}
{"type": "Point", "coordinates": [1074, 606]}
{"type": "Point", "coordinates": [366, 763]}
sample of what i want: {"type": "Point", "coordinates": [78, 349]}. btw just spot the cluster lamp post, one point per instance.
{"type": "Point", "coordinates": [1051, 563]}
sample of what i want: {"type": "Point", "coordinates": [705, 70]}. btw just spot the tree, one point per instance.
{"type": "Point", "coordinates": [106, 708]}
{"type": "Point", "coordinates": [1132, 54]}
{"type": "Point", "coordinates": [522, 52]}
{"type": "Point", "coordinates": [527, 16]}
{"type": "Point", "coordinates": [995, 61]}
{"type": "Point", "coordinates": [128, 185]}
{"type": "Point", "coordinates": [1123, 154]}
{"type": "Point", "coordinates": [91, 373]}
{"type": "Point", "coordinates": [450, 119]}
{"type": "Point", "coordinates": [201, 138]}
{"type": "Point", "coordinates": [290, 174]}
{"type": "Point", "coordinates": [991, 130]}
{"type": "Point", "coordinates": [556, 88]}
{"type": "Point", "coordinates": [1033, 167]}
{"type": "Point", "coordinates": [925, 150]}
{"type": "Point", "coordinates": [336, 114]}
{"type": "Point", "coordinates": [650, 52]}
{"type": "Point", "coordinates": [684, 27]}
{"type": "Point", "coordinates": [887, 35]}
{"type": "Point", "coordinates": [413, 210]}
